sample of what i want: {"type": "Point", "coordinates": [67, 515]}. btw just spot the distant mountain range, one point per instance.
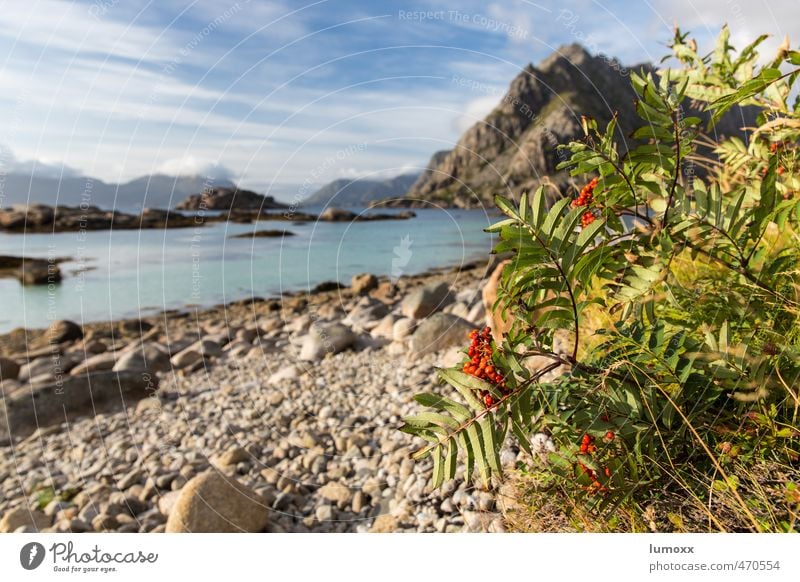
{"type": "Point", "coordinates": [156, 191]}
{"type": "Point", "coordinates": [359, 192]}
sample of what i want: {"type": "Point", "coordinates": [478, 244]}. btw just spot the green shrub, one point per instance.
{"type": "Point", "coordinates": [692, 260]}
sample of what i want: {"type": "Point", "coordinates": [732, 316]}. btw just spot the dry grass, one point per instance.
{"type": "Point", "coordinates": [531, 502]}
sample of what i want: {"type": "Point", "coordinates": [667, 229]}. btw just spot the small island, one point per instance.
{"type": "Point", "coordinates": [263, 234]}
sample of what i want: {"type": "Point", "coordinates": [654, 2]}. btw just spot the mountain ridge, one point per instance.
{"type": "Point", "coordinates": [360, 192]}
{"type": "Point", "coordinates": [154, 191]}
{"type": "Point", "coordinates": [515, 147]}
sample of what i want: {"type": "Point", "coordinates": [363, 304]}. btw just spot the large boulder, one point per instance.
{"type": "Point", "coordinates": [63, 331]}
{"type": "Point", "coordinates": [385, 328]}
{"type": "Point", "coordinates": [39, 272]}
{"type": "Point", "coordinates": [324, 339]}
{"type": "Point", "coordinates": [99, 363]}
{"type": "Point", "coordinates": [438, 332]}
{"type": "Point", "coordinates": [200, 350]}
{"type": "Point", "coordinates": [41, 405]}
{"type": "Point", "coordinates": [146, 356]}
{"type": "Point", "coordinates": [403, 328]}
{"type": "Point", "coordinates": [367, 314]}
{"type": "Point", "coordinates": [53, 365]}
{"type": "Point", "coordinates": [423, 301]}
{"type": "Point", "coordinates": [22, 516]}
{"type": "Point", "coordinates": [214, 503]}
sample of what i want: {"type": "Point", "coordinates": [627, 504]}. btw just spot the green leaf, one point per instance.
{"type": "Point", "coordinates": [490, 447]}
{"type": "Point", "coordinates": [480, 455]}
{"type": "Point", "coordinates": [451, 459]}
{"type": "Point", "coordinates": [467, 385]}
{"type": "Point", "coordinates": [459, 412]}
{"type": "Point", "coordinates": [438, 468]}
{"type": "Point", "coordinates": [425, 419]}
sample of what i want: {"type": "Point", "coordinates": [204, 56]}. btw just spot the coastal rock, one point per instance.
{"type": "Point", "coordinates": [98, 363]}
{"type": "Point", "coordinates": [22, 516]}
{"type": "Point", "coordinates": [385, 328]}
{"type": "Point", "coordinates": [94, 346]}
{"type": "Point", "coordinates": [327, 286]}
{"type": "Point", "coordinates": [336, 492]}
{"type": "Point", "coordinates": [386, 293]}
{"type": "Point", "coordinates": [460, 310]}
{"type": "Point", "coordinates": [9, 369]}
{"type": "Point", "coordinates": [38, 272]}
{"type": "Point", "coordinates": [423, 301]}
{"type": "Point", "coordinates": [283, 375]}
{"type": "Point", "coordinates": [166, 502]}
{"type": "Point", "coordinates": [326, 339]}
{"type": "Point", "coordinates": [211, 502]}
{"type": "Point", "coordinates": [198, 351]}
{"type": "Point", "coordinates": [440, 331]}
{"type": "Point", "coordinates": [403, 328]}
{"type": "Point", "coordinates": [363, 283]}
{"type": "Point", "coordinates": [367, 315]}
{"type": "Point", "coordinates": [337, 215]}
{"type": "Point", "coordinates": [263, 234]}
{"type": "Point", "coordinates": [477, 314]}
{"type": "Point", "coordinates": [45, 367]}
{"type": "Point", "coordinates": [63, 331]}
{"type": "Point", "coordinates": [73, 397]}
{"type": "Point", "coordinates": [147, 356]}
{"type": "Point", "coordinates": [229, 199]}
{"type": "Point", "coordinates": [384, 524]}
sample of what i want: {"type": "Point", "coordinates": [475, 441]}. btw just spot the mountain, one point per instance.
{"type": "Point", "coordinates": [358, 192]}
{"type": "Point", "coordinates": [156, 191]}
{"type": "Point", "coordinates": [515, 147]}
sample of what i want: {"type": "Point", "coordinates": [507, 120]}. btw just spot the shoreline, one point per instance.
{"type": "Point", "coordinates": [44, 219]}
{"type": "Point", "coordinates": [187, 309]}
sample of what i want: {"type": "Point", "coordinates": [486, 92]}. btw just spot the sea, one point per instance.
{"type": "Point", "coordinates": [117, 274]}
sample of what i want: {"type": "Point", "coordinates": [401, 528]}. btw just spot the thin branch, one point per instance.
{"type": "Point", "coordinates": [674, 184]}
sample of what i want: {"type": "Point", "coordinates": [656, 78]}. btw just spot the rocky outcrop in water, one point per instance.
{"type": "Point", "coordinates": [37, 218]}
{"type": "Point", "coordinates": [229, 199]}
{"type": "Point", "coordinates": [31, 271]}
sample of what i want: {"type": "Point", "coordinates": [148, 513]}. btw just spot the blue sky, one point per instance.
{"type": "Point", "coordinates": [292, 92]}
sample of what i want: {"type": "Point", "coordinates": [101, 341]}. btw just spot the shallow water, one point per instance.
{"type": "Point", "coordinates": [129, 273]}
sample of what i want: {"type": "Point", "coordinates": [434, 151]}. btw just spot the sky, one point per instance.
{"type": "Point", "coordinates": [276, 93]}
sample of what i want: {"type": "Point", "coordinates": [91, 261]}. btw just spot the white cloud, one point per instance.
{"type": "Point", "coordinates": [42, 167]}
{"type": "Point", "coordinates": [475, 111]}
{"type": "Point", "coordinates": [192, 166]}
{"type": "Point", "coordinates": [746, 18]}
{"type": "Point", "coordinates": [72, 28]}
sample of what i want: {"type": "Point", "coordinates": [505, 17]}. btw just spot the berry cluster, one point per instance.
{"type": "Point", "coordinates": [588, 448]}
{"type": "Point", "coordinates": [586, 195]}
{"type": "Point", "coordinates": [584, 200]}
{"type": "Point", "coordinates": [480, 363]}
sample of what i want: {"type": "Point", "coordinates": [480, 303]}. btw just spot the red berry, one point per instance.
{"type": "Point", "coordinates": [609, 436]}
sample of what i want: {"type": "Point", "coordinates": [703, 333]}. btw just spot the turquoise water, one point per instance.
{"type": "Point", "coordinates": [121, 274]}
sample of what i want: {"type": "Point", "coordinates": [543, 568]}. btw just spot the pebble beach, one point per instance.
{"type": "Point", "coordinates": [265, 415]}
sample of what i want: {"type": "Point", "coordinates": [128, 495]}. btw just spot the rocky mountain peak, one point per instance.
{"type": "Point", "coordinates": [515, 146]}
